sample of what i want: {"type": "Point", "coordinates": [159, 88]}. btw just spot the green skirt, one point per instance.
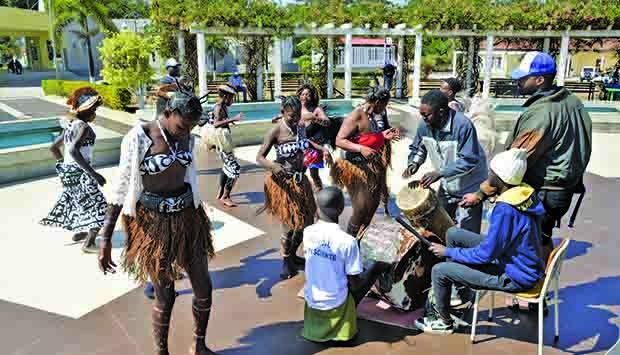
{"type": "Point", "coordinates": [338, 324]}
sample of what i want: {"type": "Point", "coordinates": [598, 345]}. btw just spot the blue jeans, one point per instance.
{"type": "Point", "coordinates": [388, 82]}
{"type": "Point", "coordinates": [486, 277]}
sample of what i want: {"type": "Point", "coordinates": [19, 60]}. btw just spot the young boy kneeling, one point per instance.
{"type": "Point", "coordinates": [335, 279]}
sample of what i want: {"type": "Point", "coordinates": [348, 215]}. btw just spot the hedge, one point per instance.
{"type": "Point", "coordinates": [113, 97]}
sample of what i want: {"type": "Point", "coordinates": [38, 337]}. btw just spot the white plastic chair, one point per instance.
{"type": "Point", "coordinates": [535, 295]}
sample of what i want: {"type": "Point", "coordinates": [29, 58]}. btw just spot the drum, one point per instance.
{"type": "Point", "coordinates": [423, 210]}
{"type": "Point", "coordinates": [404, 286]}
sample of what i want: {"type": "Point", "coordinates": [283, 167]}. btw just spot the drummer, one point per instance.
{"type": "Point", "coordinates": [335, 281]}
{"type": "Point", "coordinates": [508, 259]}
{"type": "Point", "coordinates": [450, 140]}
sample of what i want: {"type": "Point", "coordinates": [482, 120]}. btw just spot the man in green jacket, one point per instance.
{"type": "Point", "coordinates": [556, 130]}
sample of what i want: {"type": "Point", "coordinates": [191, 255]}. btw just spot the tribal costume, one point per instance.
{"type": "Point", "coordinates": [364, 179]}
{"type": "Point", "coordinates": [231, 168]}
{"type": "Point", "coordinates": [81, 206]}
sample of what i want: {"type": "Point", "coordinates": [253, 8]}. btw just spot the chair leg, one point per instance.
{"type": "Point", "coordinates": [475, 316]}
{"type": "Point", "coordinates": [557, 309]}
{"type": "Point", "coordinates": [540, 328]}
{"type": "Point", "coordinates": [492, 305]}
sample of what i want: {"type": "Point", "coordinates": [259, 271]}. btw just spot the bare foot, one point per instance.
{"type": "Point", "coordinates": [200, 349]}
{"type": "Point", "coordinates": [228, 202]}
{"type": "Point", "coordinates": [77, 237]}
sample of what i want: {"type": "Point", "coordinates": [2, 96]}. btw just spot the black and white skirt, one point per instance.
{"type": "Point", "coordinates": [231, 167]}
{"type": "Point", "coordinates": [81, 206]}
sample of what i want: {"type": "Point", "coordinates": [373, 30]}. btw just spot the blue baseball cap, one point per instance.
{"type": "Point", "coordinates": [534, 63]}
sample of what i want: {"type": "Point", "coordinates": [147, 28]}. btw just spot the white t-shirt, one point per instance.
{"type": "Point", "coordinates": [331, 255]}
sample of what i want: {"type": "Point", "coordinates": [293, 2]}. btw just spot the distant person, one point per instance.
{"type": "Point", "coordinates": [11, 66]}
{"type": "Point", "coordinates": [389, 70]}
{"type": "Point", "coordinates": [19, 69]}
{"type": "Point", "coordinates": [167, 85]}
{"type": "Point", "coordinates": [236, 82]}
{"type": "Point", "coordinates": [450, 87]}
{"type": "Point", "coordinates": [616, 76]}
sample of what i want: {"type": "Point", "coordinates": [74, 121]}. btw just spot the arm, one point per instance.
{"type": "Point", "coordinates": [417, 150]}
{"type": "Point", "coordinates": [353, 265]}
{"type": "Point", "coordinates": [321, 117]}
{"type": "Point", "coordinates": [55, 148]}
{"type": "Point", "coordinates": [217, 113]}
{"type": "Point", "coordinates": [164, 89]}
{"type": "Point", "coordinates": [79, 130]}
{"type": "Point", "coordinates": [468, 155]}
{"type": "Point", "coordinates": [496, 241]}
{"type": "Point", "coordinates": [268, 142]}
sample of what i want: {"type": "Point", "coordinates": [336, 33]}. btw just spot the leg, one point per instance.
{"type": "Point", "coordinates": [487, 277]}
{"type": "Point", "coordinates": [78, 237]}
{"type": "Point", "coordinates": [461, 238]}
{"type": "Point", "coordinates": [316, 179]}
{"type": "Point", "coordinates": [201, 304]}
{"type": "Point", "coordinates": [286, 246]}
{"type": "Point", "coordinates": [90, 245]}
{"type": "Point", "coordinates": [364, 208]}
{"type": "Point", "coordinates": [161, 314]}
{"type": "Point", "coordinates": [222, 184]}
{"type": "Point", "coordinates": [298, 261]}
{"type": "Point", "coordinates": [556, 204]}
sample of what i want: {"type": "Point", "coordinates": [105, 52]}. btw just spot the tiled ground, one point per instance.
{"type": "Point", "coordinates": [54, 300]}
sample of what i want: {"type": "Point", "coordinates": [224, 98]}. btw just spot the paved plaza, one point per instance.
{"type": "Point", "coordinates": [54, 299]}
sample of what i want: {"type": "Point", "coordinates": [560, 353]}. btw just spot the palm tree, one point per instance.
{"type": "Point", "coordinates": [79, 11]}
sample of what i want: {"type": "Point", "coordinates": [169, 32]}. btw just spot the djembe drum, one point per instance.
{"type": "Point", "coordinates": [404, 286]}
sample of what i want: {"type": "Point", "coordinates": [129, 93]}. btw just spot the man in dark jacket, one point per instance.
{"type": "Point", "coordinates": [509, 257]}
{"type": "Point", "coordinates": [556, 130]}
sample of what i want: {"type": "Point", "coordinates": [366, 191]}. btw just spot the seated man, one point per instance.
{"type": "Point", "coordinates": [508, 259]}
{"type": "Point", "coordinates": [236, 82]}
{"type": "Point", "coordinates": [335, 281]}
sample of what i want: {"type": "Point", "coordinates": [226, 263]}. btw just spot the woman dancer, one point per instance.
{"type": "Point", "coordinates": [365, 136]}
{"type": "Point", "coordinates": [288, 193]}
{"type": "Point", "coordinates": [165, 222]}
{"type": "Point", "coordinates": [81, 206]}
{"type": "Point", "coordinates": [313, 119]}
{"type": "Point", "coordinates": [231, 168]}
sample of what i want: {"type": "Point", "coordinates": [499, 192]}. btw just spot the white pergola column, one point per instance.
{"type": "Point", "coordinates": [417, 68]}
{"type": "Point", "coordinates": [563, 58]}
{"type": "Point", "coordinates": [259, 80]}
{"type": "Point", "coordinates": [470, 68]}
{"type": "Point", "coordinates": [181, 46]}
{"type": "Point", "coordinates": [488, 66]}
{"type": "Point", "coordinates": [330, 67]}
{"type": "Point", "coordinates": [201, 48]}
{"type": "Point", "coordinates": [42, 5]}
{"type": "Point", "coordinates": [399, 67]}
{"type": "Point", "coordinates": [546, 44]}
{"type": "Point", "coordinates": [348, 61]}
{"type": "Point", "coordinates": [276, 65]}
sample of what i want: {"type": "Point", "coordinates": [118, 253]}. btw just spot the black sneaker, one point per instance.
{"type": "Point", "coordinates": [435, 325]}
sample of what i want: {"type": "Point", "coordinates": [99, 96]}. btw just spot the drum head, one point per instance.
{"type": "Point", "coordinates": [416, 202]}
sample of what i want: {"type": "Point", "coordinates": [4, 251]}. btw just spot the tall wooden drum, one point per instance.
{"type": "Point", "coordinates": [422, 209]}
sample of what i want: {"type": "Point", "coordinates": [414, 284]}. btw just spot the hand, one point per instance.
{"type": "Point", "coordinates": [367, 152]}
{"type": "Point", "coordinates": [438, 249]}
{"type": "Point", "coordinates": [276, 168]}
{"type": "Point", "coordinates": [429, 178]}
{"type": "Point", "coordinates": [411, 170]}
{"type": "Point", "coordinates": [100, 179]}
{"type": "Point", "coordinates": [238, 118]}
{"type": "Point", "coordinates": [105, 257]}
{"type": "Point", "coordinates": [329, 161]}
{"type": "Point", "coordinates": [392, 134]}
{"type": "Point", "coordinates": [276, 119]}
{"type": "Point", "coordinates": [470, 200]}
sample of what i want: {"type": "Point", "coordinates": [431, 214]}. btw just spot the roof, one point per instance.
{"type": "Point", "coordinates": [13, 19]}
{"type": "Point", "coordinates": [360, 41]}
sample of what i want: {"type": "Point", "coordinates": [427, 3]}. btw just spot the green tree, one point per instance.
{"type": "Point", "coordinates": [126, 61]}
{"type": "Point", "coordinates": [8, 47]}
{"type": "Point", "coordinates": [79, 11]}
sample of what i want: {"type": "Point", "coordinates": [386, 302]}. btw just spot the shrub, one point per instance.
{"type": "Point", "coordinates": [114, 97]}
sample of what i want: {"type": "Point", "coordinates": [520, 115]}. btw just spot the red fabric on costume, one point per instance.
{"type": "Point", "coordinates": [371, 140]}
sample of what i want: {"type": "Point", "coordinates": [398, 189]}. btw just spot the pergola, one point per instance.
{"type": "Point", "coordinates": [399, 31]}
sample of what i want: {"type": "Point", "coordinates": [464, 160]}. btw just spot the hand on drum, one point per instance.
{"type": "Point", "coordinates": [438, 249]}
{"type": "Point", "coordinates": [470, 200]}
{"type": "Point", "coordinates": [430, 178]}
{"type": "Point", "coordinates": [410, 171]}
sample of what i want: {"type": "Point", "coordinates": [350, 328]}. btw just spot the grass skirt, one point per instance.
{"type": "Point", "coordinates": [292, 203]}
{"type": "Point", "coordinates": [157, 242]}
{"type": "Point", "coordinates": [361, 175]}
